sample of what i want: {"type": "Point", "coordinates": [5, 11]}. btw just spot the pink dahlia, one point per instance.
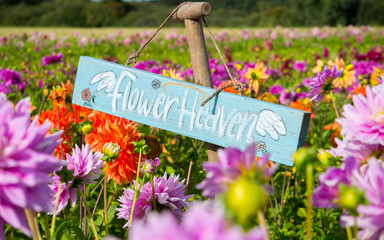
{"type": "Point", "coordinates": [232, 163]}
{"type": "Point", "coordinates": [365, 119]}
{"type": "Point", "coordinates": [86, 167]}
{"type": "Point", "coordinates": [85, 164]}
{"type": "Point", "coordinates": [356, 148]}
{"type": "Point", "coordinates": [26, 161]}
{"type": "Point", "coordinates": [202, 221]}
{"type": "Point", "coordinates": [168, 193]}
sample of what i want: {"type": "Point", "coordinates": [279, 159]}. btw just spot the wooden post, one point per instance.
{"type": "Point", "coordinates": [191, 14]}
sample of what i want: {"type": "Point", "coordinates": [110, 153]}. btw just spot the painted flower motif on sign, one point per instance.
{"type": "Point", "coordinates": [87, 96]}
{"type": "Point", "coordinates": [156, 84]}
{"type": "Point", "coordinates": [261, 147]}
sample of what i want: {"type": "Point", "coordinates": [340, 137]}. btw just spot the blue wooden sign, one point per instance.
{"type": "Point", "coordinates": [227, 120]}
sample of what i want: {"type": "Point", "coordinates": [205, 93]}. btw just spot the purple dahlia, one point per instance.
{"type": "Point", "coordinates": [26, 161]}
{"type": "Point", "coordinates": [322, 82]}
{"type": "Point", "coordinates": [233, 162]}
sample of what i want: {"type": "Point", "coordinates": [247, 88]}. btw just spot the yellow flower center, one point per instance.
{"type": "Point", "coordinates": [379, 117]}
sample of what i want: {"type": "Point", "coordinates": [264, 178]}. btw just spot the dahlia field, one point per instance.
{"type": "Point", "coordinates": [70, 172]}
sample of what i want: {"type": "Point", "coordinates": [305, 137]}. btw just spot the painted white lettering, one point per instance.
{"type": "Point", "coordinates": [223, 123]}
{"type": "Point", "coordinates": [251, 130]}
{"type": "Point", "coordinates": [160, 100]}
{"type": "Point", "coordinates": [168, 104]}
{"type": "Point", "coordinates": [127, 92]}
{"type": "Point", "coordinates": [214, 119]}
{"type": "Point", "coordinates": [184, 111]}
{"type": "Point", "coordinates": [133, 100]}
{"type": "Point", "coordinates": [237, 118]}
{"type": "Point", "coordinates": [144, 107]}
{"type": "Point", "coordinates": [202, 111]}
{"type": "Point", "coordinates": [244, 124]}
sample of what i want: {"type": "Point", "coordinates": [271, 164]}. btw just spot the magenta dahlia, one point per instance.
{"type": "Point", "coordinates": [365, 119]}
{"type": "Point", "coordinates": [169, 193]}
{"type": "Point", "coordinates": [26, 161]}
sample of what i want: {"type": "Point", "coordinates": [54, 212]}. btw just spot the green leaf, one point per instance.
{"type": "Point", "coordinates": [67, 231]}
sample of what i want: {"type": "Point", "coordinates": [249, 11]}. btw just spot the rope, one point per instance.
{"type": "Point", "coordinates": [238, 86]}
{"type": "Point", "coordinates": [133, 57]}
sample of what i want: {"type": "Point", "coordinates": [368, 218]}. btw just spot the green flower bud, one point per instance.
{"type": "Point", "coordinates": [305, 156]}
{"type": "Point", "coordinates": [350, 198]}
{"type": "Point", "coordinates": [245, 198]}
{"type": "Point", "coordinates": [111, 150]}
{"type": "Point", "coordinates": [87, 128]}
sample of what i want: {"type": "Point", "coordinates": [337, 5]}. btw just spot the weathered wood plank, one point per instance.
{"type": "Point", "coordinates": [170, 104]}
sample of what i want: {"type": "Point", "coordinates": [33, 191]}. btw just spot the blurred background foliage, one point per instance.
{"type": "Point", "coordinates": [226, 13]}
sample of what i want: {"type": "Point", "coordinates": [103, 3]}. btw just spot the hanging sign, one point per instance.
{"type": "Point", "coordinates": [227, 120]}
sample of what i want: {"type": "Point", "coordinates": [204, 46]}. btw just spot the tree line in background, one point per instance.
{"type": "Point", "coordinates": [226, 13]}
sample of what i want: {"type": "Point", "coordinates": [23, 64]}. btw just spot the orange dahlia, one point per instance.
{"type": "Point", "coordinates": [122, 132]}
{"type": "Point", "coordinates": [348, 76]}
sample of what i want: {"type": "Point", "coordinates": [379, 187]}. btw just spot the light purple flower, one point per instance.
{"type": "Point", "coordinates": [364, 120]}
{"type": "Point", "coordinates": [328, 192]}
{"type": "Point", "coordinates": [232, 163]}
{"type": "Point", "coordinates": [66, 192]}
{"type": "Point", "coordinates": [370, 217]}
{"type": "Point", "coordinates": [322, 82]}
{"type": "Point", "coordinates": [52, 59]}
{"type": "Point", "coordinates": [168, 193]}
{"type": "Point", "coordinates": [86, 167]}
{"type": "Point", "coordinates": [202, 221]}
{"type": "Point", "coordinates": [26, 161]}
{"type": "Point", "coordinates": [85, 164]}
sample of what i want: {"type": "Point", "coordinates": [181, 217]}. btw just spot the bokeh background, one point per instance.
{"type": "Point", "coordinates": [226, 13]}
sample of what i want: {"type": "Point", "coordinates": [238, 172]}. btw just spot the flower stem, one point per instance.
{"type": "Point", "coordinates": [263, 224]}
{"type": "Point", "coordinates": [58, 123]}
{"type": "Point", "coordinates": [309, 201]}
{"type": "Point", "coordinates": [53, 224]}
{"type": "Point", "coordinates": [47, 233]}
{"type": "Point", "coordinates": [153, 192]}
{"type": "Point", "coordinates": [334, 104]}
{"type": "Point", "coordinates": [32, 224]}
{"type": "Point", "coordinates": [90, 216]}
{"type": "Point", "coordinates": [137, 180]}
{"type": "Point", "coordinates": [355, 229]}
{"type": "Point", "coordinates": [349, 233]}
{"type": "Point", "coordinates": [106, 199]}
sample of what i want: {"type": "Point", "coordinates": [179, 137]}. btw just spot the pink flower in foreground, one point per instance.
{"type": "Point", "coordinates": [365, 119]}
{"type": "Point", "coordinates": [26, 161]}
{"type": "Point", "coordinates": [232, 163]}
{"type": "Point", "coordinates": [200, 222]}
{"type": "Point", "coordinates": [168, 193]}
